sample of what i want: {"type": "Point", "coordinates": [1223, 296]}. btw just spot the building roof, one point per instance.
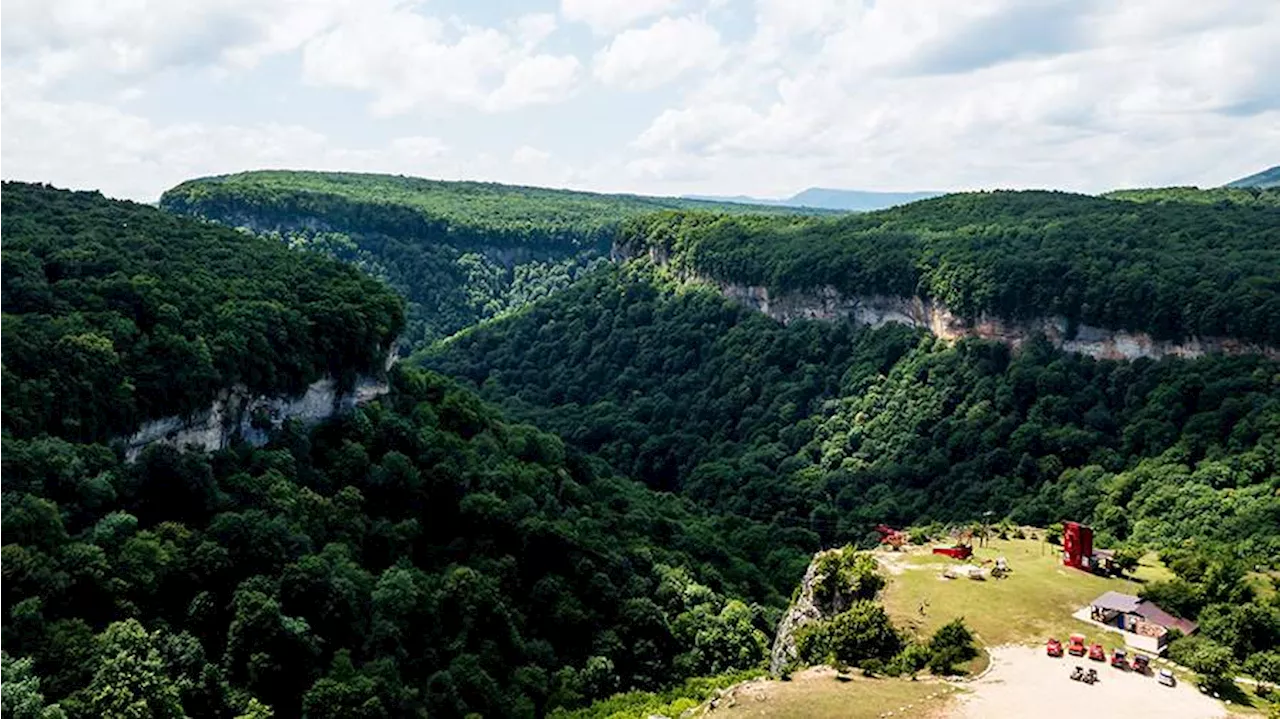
{"type": "Point", "coordinates": [1118, 602]}
{"type": "Point", "coordinates": [1150, 611]}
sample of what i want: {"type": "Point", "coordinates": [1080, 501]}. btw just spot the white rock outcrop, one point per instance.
{"type": "Point", "coordinates": [232, 415]}
{"type": "Point", "coordinates": [879, 310]}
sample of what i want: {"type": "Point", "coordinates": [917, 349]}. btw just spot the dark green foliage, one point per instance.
{"type": "Point", "coordinates": [1212, 661]}
{"type": "Point", "coordinates": [459, 252]}
{"type": "Point", "coordinates": [418, 556]}
{"type": "Point", "coordinates": [833, 428]}
{"type": "Point", "coordinates": [1169, 268]}
{"type": "Point", "coordinates": [861, 632]}
{"type": "Point", "coordinates": [951, 645]}
{"type": "Point", "coordinates": [115, 313]}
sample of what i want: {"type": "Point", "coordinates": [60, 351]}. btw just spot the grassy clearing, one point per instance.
{"type": "Point", "coordinates": [1035, 602]}
{"type": "Point", "coordinates": [822, 694]}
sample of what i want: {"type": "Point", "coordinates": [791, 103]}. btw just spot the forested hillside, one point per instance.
{"type": "Point", "coordinates": [834, 427]}
{"type": "Point", "coordinates": [459, 252]}
{"type": "Point", "coordinates": [420, 556]}
{"type": "Point", "coordinates": [116, 313]}
{"type": "Point", "coordinates": [1170, 268]}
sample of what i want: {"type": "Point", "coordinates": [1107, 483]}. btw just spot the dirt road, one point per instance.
{"type": "Point", "coordinates": [1023, 682]}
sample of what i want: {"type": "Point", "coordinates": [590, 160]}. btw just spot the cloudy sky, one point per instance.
{"type": "Point", "coordinates": [761, 97]}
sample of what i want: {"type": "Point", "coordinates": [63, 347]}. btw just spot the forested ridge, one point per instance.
{"type": "Point", "coordinates": [459, 252]}
{"type": "Point", "coordinates": [420, 557]}
{"type": "Point", "coordinates": [115, 313]}
{"type": "Point", "coordinates": [1153, 262]}
{"type": "Point", "coordinates": [836, 427]}
{"type": "Point", "coordinates": [454, 550]}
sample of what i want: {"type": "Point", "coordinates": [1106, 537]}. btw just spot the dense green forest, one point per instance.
{"type": "Point", "coordinates": [419, 557]}
{"type": "Point", "coordinates": [1230, 195]}
{"type": "Point", "coordinates": [116, 313]}
{"type": "Point", "coordinates": [459, 252]}
{"type": "Point", "coordinates": [1165, 266]}
{"type": "Point", "coordinates": [832, 427]}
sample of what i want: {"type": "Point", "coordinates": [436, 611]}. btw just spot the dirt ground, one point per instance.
{"type": "Point", "coordinates": [1023, 682]}
{"type": "Point", "coordinates": [822, 693]}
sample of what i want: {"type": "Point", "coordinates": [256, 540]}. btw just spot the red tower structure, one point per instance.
{"type": "Point", "coordinates": [1077, 545]}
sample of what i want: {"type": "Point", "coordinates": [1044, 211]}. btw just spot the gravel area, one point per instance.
{"type": "Point", "coordinates": [1024, 682]}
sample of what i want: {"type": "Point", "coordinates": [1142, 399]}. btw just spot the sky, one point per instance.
{"type": "Point", "coordinates": [758, 97]}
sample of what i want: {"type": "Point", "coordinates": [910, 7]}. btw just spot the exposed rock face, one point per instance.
{"type": "Point", "coordinates": [805, 609]}
{"type": "Point", "coordinates": [879, 310]}
{"type": "Point", "coordinates": [231, 416]}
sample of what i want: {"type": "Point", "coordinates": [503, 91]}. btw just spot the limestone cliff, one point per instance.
{"type": "Point", "coordinates": [809, 606]}
{"type": "Point", "coordinates": [239, 414]}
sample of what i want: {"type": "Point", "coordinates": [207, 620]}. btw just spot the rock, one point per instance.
{"type": "Point", "coordinates": [806, 610]}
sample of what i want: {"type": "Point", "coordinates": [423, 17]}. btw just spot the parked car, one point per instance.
{"type": "Point", "coordinates": [1141, 663]}
{"type": "Point", "coordinates": [1097, 653]}
{"type": "Point", "coordinates": [1120, 660]}
{"type": "Point", "coordinates": [1053, 648]}
{"type": "Point", "coordinates": [1076, 647]}
{"type": "Point", "coordinates": [1166, 678]}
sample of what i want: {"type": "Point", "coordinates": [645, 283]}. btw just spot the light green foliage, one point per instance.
{"type": "Point", "coordinates": [20, 696]}
{"type": "Point", "coordinates": [846, 575]}
{"type": "Point", "coordinates": [130, 681]}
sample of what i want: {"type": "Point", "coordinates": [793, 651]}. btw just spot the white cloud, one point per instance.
{"type": "Point", "coordinates": [533, 28]}
{"type": "Point", "coordinates": [609, 16]}
{"type": "Point", "coordinates": [409, 61]}
{"type": "Point", "coordinates": [526, 155]}
{"type": "Point", "coordinates": [642, 59]}
{"type": "Point", "coordinates": [54, 40]}
{"type": "Point", "coordinates": [890, 97]}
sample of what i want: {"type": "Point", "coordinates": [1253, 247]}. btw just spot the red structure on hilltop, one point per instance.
{"type": "Point", "coordinates": [1077, 545]}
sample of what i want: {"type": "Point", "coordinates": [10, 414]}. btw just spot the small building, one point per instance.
{"type": "Point", "coordinates": [1145, 625]}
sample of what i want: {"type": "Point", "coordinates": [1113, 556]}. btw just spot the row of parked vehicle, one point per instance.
{"type": "Point", "coordinates": [1076, 647]}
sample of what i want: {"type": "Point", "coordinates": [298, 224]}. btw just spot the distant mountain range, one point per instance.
{"type": "Point", "coordinates": [1266, 178]}
{"type": "Point", "coordinates": [828, 199]}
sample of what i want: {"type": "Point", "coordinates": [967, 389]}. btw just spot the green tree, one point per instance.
{"type": "Point", "coordinates": [20, 688]}
{"type": "Point", "coordinates": [130, 681]}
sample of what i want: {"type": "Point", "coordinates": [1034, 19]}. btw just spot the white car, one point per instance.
{"type": "Point", "coordinates": [1166, 678]}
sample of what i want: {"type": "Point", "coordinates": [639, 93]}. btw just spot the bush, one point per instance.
{"type": "Point", "coordinates": [1053, 535]}
{"type": "Point", "coordinates": [952, 644]}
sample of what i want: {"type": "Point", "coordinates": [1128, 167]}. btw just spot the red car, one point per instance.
{"type": "Point", "coordinates": [1076, 647]}
{"type": "Point", "coordinates": [1097, 653]}
{"type": "Point", "coordinates": [1119, 660]}
{"type": "Point", "coordinates": [1053, 648]}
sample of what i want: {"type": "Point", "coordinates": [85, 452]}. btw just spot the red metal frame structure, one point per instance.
{"type": "Point", "coordinates": [1077, 545]}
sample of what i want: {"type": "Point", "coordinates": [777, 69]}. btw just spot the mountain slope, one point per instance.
{"type": "Point", "coordinates": [417, 556]}
{"type": "Point", "coordinates": [459, 252]}
{"type": "Point", "coordinates": [830, 199]}
{"type": "Point", "coordinates": [838, 427]}
{"type": "Point", "coordinates": [1170, 269]}
{"type": "Point", "coordinates": [1265, 179]}
{"type": "Point", "coordinates": [116, 313]}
